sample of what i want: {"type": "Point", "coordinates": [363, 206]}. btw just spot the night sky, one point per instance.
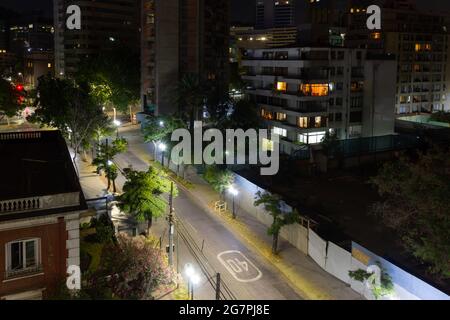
{"type": "Point", "coordinates": [242, 11]}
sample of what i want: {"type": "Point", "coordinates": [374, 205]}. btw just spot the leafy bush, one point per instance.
{"type": "Point", "coordinates": [132, 269]}
{"type": "Point", "coordinates": [359, 275]}
{"type": "Point", "coordinates": [218, 178]}
{"type": "Point", "coordinates": [104, 228]}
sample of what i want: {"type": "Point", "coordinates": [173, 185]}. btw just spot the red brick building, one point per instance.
{"type": "Point", "coordinates": [40, 205]}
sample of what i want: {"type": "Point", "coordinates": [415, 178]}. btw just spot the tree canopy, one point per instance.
{"type": "Point", "coordinates": [220, 179]}
{"type": "Point", "coordinates": [131, 269]}
{"type": "Point", "coordinates": [416, 195]}
{"type": "Point", "coordinates": [73, 111]}
{"type": "Point", "coordinates": [273, 205]}
{"type": "Point", "coordinates": [143, 193]}
{"type": "Point", "coordinates": [113, 77]}
{"type": "Point", "coordinates": [11, 100]}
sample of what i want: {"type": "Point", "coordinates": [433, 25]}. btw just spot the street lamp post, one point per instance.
{"type": "Point", "coordinates": [234, 192]}
{"type": "Point", "coordinates": [193, 279]}
{"type": "Point", "coordinates": [171, 226]}
{"type": "Point", "coordinates": [163, 148]}
{"type": "Point", "coordinates": [117, 123]}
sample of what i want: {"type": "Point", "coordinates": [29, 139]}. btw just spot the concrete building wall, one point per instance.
{"type": "Point", "coordinates": [336, 79]}
{"type": "Point", "coordinates": [167, 53]}
{"type": "Point", "coordinates": [379, 97]}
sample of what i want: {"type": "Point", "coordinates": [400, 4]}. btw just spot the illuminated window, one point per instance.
{"type": "Point", "coordinates": [311, 138]}
{"type": "Point", "coordinates": [281, 86]}
{"type": "Point", "coordinates": [280, 131]}
{"type": "Point", "coordinates": [281, 116]}
{"type": "Point", "coordinates": [318, 122]}
{"type": "Point", "coordinates": [266, 114]}
{"type": "Point", "coordinates": [302, 122]}
{"type": "Point", "coordinates": [314, 89]}
{"type": "Point", "coordinates": [267, 145]}
{"type": "Point", "coordinates": [49, 65]}
{"type": "Point", "coordinates": [375, 35]}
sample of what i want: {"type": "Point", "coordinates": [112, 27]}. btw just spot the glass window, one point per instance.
{"type": "Point", "coordinates": [281, 86]}
{"type": "Point", "coordinates": [22, 255]}
{"type": "Point", "coordinates": [280, 131]}
{"type": "Point", "coordinates": [302, 122]}
{"type": "Point", "coordinates": [318, 122]}
{"type": "Point", "coordinates": [311, 138]}
{"type": "Point", "coordinates": [281, 116]}
{"type": "Point", "coordinates": [314, 89]}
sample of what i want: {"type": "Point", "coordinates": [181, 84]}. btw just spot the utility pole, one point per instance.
{"type": "Point", "coordinates": [170, 219]}
{"type": "Point", "coordinates": [218, 287]}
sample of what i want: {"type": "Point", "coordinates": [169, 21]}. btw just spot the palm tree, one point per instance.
{"type": "Point", "coordinates": [190, 98]}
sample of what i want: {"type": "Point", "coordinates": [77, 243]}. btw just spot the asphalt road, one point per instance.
{"type": "Point", "coordinates": [211, 248]}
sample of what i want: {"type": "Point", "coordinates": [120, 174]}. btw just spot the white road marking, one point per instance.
{"type": "Point", "coordinates": [240, 267]}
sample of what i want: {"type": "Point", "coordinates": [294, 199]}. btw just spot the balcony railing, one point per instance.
{"type": "Point", "coordinates": [11, 274]}
{"type": "Point", "coordinates": [19, 135]}
{"type": "Point", "coordinates": [40, 203]}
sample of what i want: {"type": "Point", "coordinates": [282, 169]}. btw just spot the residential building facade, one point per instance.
{"type": "Point", "coordinates": [420, 42]}
{"type": "Point", "coordinates": [104, 25]}
{"type": "Point", "coordinates": [37, 64]}
{"type": "Point", "coordinates": [39, 214]}
{"type": "Point", "coordinates": [182, 37]}
{"type": "Point", "coordinates": [304, 92]}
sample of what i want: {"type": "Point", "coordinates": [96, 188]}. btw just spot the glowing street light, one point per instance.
{"type": "Point", "coordinates": [162, 147]}
{"type": "Point", "coordinates": [234, 192]}
{"type": "Point", "coordinates": [110, 163]}
{"type": "Point", "coordinates": [193, 278]}
{"type": "Point", "coordinates": [161, 123]}
{"type": "Point", "coordinates": [117, 123]}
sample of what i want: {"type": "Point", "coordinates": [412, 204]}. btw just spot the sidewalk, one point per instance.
{"type": "Point", "coordinates": [304, 275]}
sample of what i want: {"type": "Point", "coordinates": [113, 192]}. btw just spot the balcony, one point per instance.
{"type": "Point", "coordinates": [40, 203]}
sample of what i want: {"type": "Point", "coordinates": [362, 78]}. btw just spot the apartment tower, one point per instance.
{"type": "Point", "coordinates": [182, 37]}
{"type": "Point", "coordinates": [104, 24]}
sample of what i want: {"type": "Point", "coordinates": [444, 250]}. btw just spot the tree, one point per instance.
{"type": "Point", "coordinates": [330, 144]}
{"type": "Point", "coordinates": [68, 106]}
{"type": "Point", "coordinates": [190, 97]}
{"type": "Point", "coordinates": [416, 204]}
{"type": "Point", "coordinates": [143, 194]}
{"type": "Point", "coordinates": [440, 116]}
{"type": "Point", "coordinates": [105, 156]}
{"type": "Point", "coordinates": [113, 77]}
{"type": "Point", "coordinates": [11, 100]}
{"type": "Point", "coordinates": [273, 205]}
{"type": "Point", "coordinates": [157, 129]}
{"type": "Point", "coordinates": [220, 179]}
{"type": "Point", "coordinates": [244, 116]}
{"type": "Point", "coordinates": [134, 269]}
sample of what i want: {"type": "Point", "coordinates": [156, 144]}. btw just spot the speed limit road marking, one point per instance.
{"type": "Point", "coordinates": [241, 268]}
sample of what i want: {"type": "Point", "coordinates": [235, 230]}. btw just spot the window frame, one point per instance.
{"type": "Point", "coordinates": [23, 242]}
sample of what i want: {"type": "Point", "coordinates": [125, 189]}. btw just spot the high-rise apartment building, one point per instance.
{"type": "Point", "coordinates": [181, 37]}
{"type": "Point", "coordinates": [317, 22]}
{"type": "Point", "coordinates": [31, 37]}
{"type": "Point", "coordinates": [302, 92]}
{"type": "Point", "coordinates": [104, 24]}
{"type": "Point", "coordinates": [274, 14]}
{"type": "Point", "coordinates": [420, 43]}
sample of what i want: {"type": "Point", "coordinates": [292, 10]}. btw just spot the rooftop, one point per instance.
{"type": "Point", "coordinates": [36, 166]}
